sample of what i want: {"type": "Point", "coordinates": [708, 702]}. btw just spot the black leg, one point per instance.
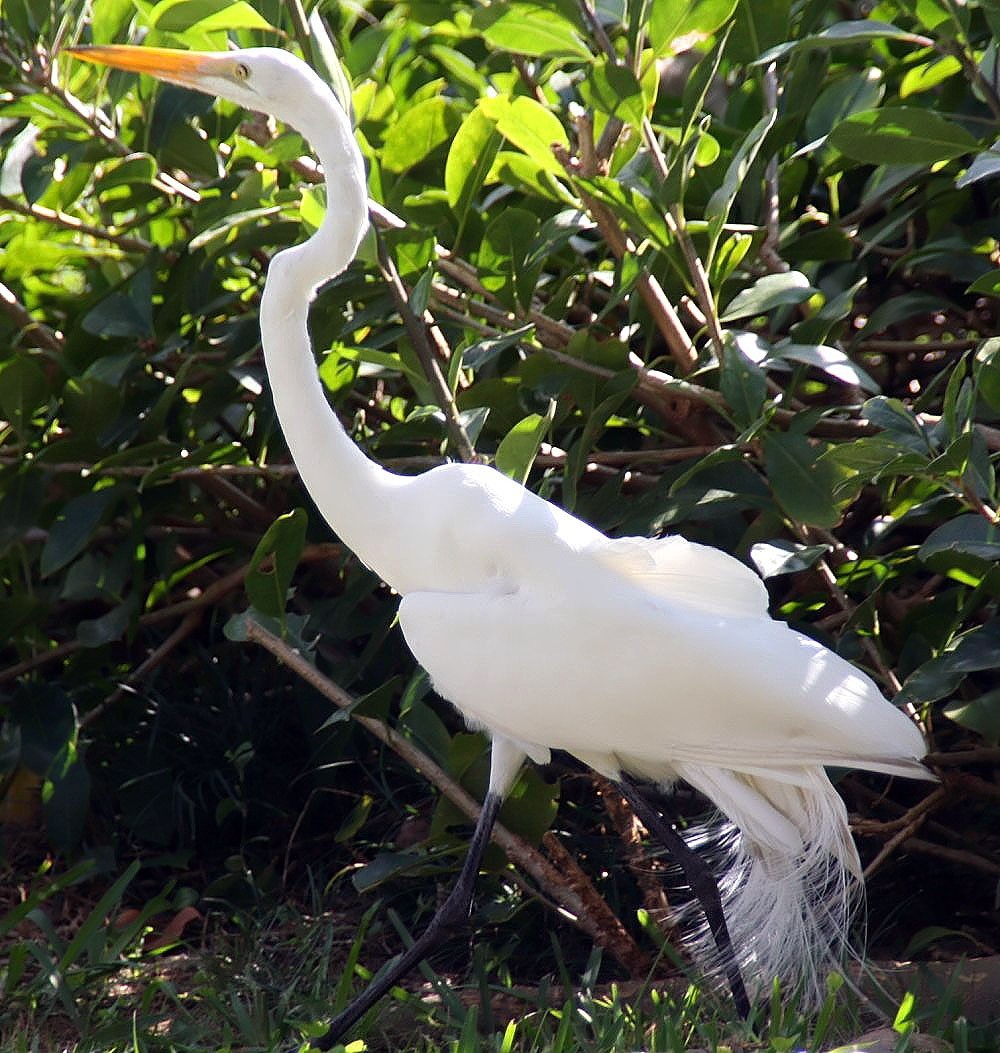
{"type": "Point", "coordinates": [702, 882]}
{"type": "Point", "coordinates": [453, 913]}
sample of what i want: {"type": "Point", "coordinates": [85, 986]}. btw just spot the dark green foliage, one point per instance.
{"type": "Point", "coordinates": [816, 197]}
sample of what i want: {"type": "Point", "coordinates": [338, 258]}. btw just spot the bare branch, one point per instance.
{"type": "Point", "coordinates": [63, 219]}
{"type": "Point", "coordinates": [33, 333]}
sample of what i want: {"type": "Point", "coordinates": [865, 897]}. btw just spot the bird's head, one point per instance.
{"type": "Point", "coordinates": [265, 79]}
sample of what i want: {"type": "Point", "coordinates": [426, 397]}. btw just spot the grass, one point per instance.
{"type": "Point", "coordinates": [259, 985]}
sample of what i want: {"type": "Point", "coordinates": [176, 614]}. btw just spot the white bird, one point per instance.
{"type": "Point", "coordinates": [645, 658]}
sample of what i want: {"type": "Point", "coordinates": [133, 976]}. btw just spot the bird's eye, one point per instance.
{"type": "Point", "coordinates": [241, 71]}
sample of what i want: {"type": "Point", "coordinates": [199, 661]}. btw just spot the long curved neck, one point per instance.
{"type": "Point", "coordinates": [354, 494]}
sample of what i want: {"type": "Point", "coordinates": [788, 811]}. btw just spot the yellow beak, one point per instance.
{"type": "Point", "coordinates": [187, 68]}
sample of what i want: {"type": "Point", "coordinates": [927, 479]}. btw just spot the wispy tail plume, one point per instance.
{"type": "Point", "coordinates": [789, 876]}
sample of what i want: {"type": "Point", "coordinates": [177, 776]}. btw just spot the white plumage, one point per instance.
{"type": "Point", "coordinates": [651, 657]}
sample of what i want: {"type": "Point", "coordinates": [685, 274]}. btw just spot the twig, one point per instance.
{"type": "Point", "coordinates": [906, 347]}
{"type": "Point", "coordinates": [518, 851]}
{"type": "Point", "coordinates": [417, 331]}
{"type": "Point", "coordinates": [215, 484]}
{"type": "Point", "coordinates": [982, 755]}
{"type": "Point", "coordinates": [772, 202]}
{"type": "Point", "coordinates": [189, 623]}
{"type": "Point", "coordinates": [674, 334]}
{"type": "Point", "coordinates": [674, 219]}
{"type": "Point", "coordinates": [902, 828]}
{"type": "Point", "coordinates": [551, 333]}
{"type": "Point", "coordinates": [952, 855]}
{"type": "Point", "coordinates": [63, 219]}
{"type": "Point", "coordinates": [597, 28]}
{"type": "Point", "coordinates": [558, 333]}
{"type": "Point", "coordinates": [966, 782]}
{"type": "Point", "coordinates": [975, 501]}
{"type": "Point", "coordinates": [706, 301]}
{"type": "Point", "coordinates": [34, 333]}
{"type": "Point", "coordinates": [303, 34]}
{"type": "Point", "coordinates": [624, 458]}
{"type": "Point", "coordinates": [961, 856]}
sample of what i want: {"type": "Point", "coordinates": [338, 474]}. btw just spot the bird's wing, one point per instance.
{"type": "Point", "coordinates": [678, 570]}
{"type": "Point", "coordinates": [645, 687]}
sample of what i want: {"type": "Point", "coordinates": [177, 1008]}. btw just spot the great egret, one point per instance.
{"type": "Point", "coordinates": [645, 658]}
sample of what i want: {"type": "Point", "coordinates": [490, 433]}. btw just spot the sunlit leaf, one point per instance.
{"type": "Point", "coordinates": [516, 452]}
{"type": "Point", "coordinates": [420, 131]}
{"type": "Point", "coordinates": [901, 135]}
{"type": "Point", "coordinates": [530, 29]}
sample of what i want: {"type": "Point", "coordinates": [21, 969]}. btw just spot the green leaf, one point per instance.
{"type": "Point", "coordinates": [927, 75]}
{"type": "Point", "coordinates": [768, 292]}
{"type": "Point", "coordinates": [420, 131]}
{"type": "Point", "coordinates": [759, 24]}
{"type": "Point", "coordinates": [267, 587]}
{"type": "Point", "coordinates": [876, 457]}
{"type": "Point", "coordinates": [97, 918]}
{"type": "Point", "coordinates": [96, 632]}
{"type": "Point", "coordinates": [107, 18]}
{"type": "Point", "coordinates": [742, 383]}
{"type": "Point", "coordinates": [614, 90]}
{"type": "Point", "coordinates": [773, 558]}
{"type": "Point", "coordinates": [503, 257]}
{"type": "Point", "coordinates": [23, 389]}
{"type": "Point", "coordinates": [47, 722]}
{"type": "Point", "coordinates": [178, 16]}
{"type": "Point", "coordinates": [985, 165]}
{"type": "Point", "coordinates": [323, 57]}
{"type": "Point", "coordinates": [897, 308]}
{"type": "Point", "coordinates": [721, 202]}
{"type": "Point", "coordinates": [355, 819]}
{"type": "Point", "coordinates": [986, 370]}
{"type": "Point", "coordinates": [530, 29]}
{"type": "Point", "coordinates": [841, 34]}
{"type": "Point", "coordinates": [898, 135]}
{"type": "Point", "coordinates": [337, 373]}
{"type": "Point", "coordinates": [531, 805]}
{"type": "Point", "coordinates": [853, 93]}
{"type": "Point", "coordinates": [530, 127]}
{"type": "Point", "coordinates": [977, 650]}
{"type": "Point", "coordinates": [67, 802]}
{"type": "Point", "coordinates": [680, 24]}
{"type": "Point", "coordinates": [896, 418]}
{"type": "Point", "coordinates": [980, 714]}
{"type": "Point", "coordinates": [802, 482]}
{"type": "Point", "coordinates": [516, 452]}
{"type": "Point", "coordinates": [470, 158]}
{"type": "Point", "coordinates": [830, 360]}
{"type": "Point", "coordinates": [20, 505]}
{"type": "Point", "coordinates": [74, 528]}
{"type": "Point", "coordinates": [477, 355]}
{"type": "Point", "coordinates": [969, 535]}
{"type": "Point", "coordinates": [615, 391]}
{"type": "Point", "coordinates": [127, 312]}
